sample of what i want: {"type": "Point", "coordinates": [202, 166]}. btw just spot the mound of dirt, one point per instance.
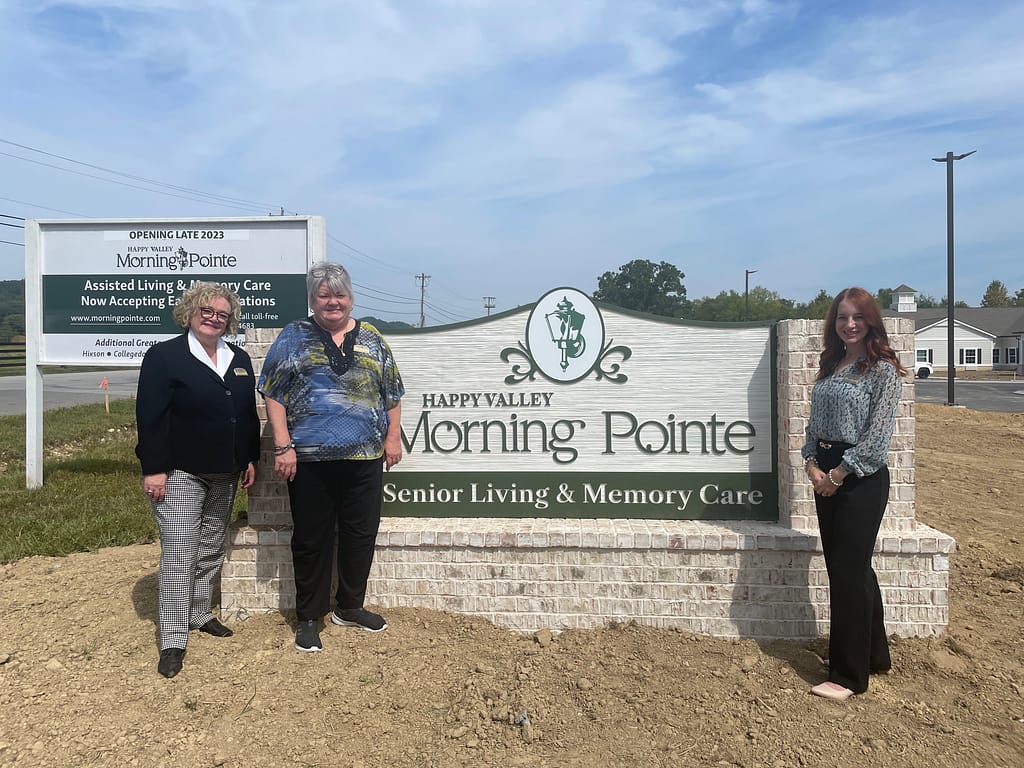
{"type": "Point", "coordinates": [78, 680]}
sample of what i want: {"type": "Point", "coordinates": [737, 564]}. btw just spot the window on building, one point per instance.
{"type": "Point", "coordinates": [1011, 356]}
{"type": "Point", "coordinates": [924, 356]}
{"type": "Point", "coordinates": [970, 357]}
{"type": "Point", "coordinates": [995, 356]}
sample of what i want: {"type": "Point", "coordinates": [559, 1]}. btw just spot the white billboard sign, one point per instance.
{"type": "Point", "coordinates": [107, 288]}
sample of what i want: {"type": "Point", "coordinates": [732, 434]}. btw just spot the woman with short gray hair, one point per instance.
{"type": "Point", "coordinates": [333, 395]}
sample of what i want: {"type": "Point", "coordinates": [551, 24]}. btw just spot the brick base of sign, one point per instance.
{"type": "Point", "coordinates": [742, 579]}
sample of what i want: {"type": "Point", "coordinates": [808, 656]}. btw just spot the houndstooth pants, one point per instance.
{"type": "Point", "coordinates": [193, 520]}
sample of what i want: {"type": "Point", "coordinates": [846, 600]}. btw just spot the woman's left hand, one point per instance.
{"type": "Point", "coordinates": [249, 476]}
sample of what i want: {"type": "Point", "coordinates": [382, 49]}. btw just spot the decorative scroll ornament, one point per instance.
{"type": "Point", "coordinates": [518, 373]}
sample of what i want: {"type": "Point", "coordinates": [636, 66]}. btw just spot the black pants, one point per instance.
{"type": "Point", "coordinates": [333, 499]}
{"type": "Point", "coordinates": [849, 523]}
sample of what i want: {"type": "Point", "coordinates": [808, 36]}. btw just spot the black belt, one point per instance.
{"type": "Point", "coordinates": [830, 453]}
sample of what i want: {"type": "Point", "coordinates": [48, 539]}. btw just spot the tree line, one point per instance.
{"type": "Point", "coordinates": [12, 309]}
{"type": "Point", "coordinates": [641, 285]}
{"type": "Point", "coordinates": [658, 289]}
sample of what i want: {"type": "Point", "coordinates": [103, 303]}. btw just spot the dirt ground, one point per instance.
{"type": "Point", "coordinates": [79, 687]}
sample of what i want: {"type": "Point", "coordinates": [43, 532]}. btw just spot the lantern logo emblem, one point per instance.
{"type": "Point", "coordinates": [565, 342]}
{"type": "Point", "coordinates": [565, 326]}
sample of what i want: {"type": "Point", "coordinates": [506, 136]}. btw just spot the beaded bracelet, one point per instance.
{"type": "Point", "coordinates": [282, 449]}
{"type": "Point", "coordinates": [832, 479]}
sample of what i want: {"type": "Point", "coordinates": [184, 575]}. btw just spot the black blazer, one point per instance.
{"type": "Point", "coordinates": [189, 419]}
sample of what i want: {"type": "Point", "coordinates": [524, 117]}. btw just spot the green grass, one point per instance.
{"type": "Point", "coordinates": [91, 495]}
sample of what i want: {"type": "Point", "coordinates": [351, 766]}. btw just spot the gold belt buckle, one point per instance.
{"type": "Point", "coordinates": [823, 444]}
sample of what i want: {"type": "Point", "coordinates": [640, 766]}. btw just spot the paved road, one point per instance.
{"type": "Point", "coordinates": [63, 389]}
{"type": "Point", "coordinates": [996, 396]}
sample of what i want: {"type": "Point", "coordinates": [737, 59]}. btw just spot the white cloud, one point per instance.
{"type": "Point", "coordinates": [569, 137]}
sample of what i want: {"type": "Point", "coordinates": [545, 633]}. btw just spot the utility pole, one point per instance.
{"type": "Point", "coordinates": [950, 345]}
{"type": "Point", "coordinates": [488, 304]}
{"type": "Point", "coordinates": [422, 278]}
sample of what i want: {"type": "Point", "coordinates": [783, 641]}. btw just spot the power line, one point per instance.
{"type": "Point", "coordinates": [451, 315]}
{"type": "Point", "coordinates": [7, 216]}
{"type": "Point", "coordinates": [16, 226]}
{"type": "Point", "coordinates": [385, 311]}
{"type": "Point", "coordinates": [157, 182]}
{"type": "Point", "coordinates": [366, 256]}
{"type": "Point", "coordinates": [403, 299]}
{"type": "Point", "coordinates": [124, 183]}
{"type": "Point", "coordinates": [42, 207]}
{"type": "Point", "coordinates": [198, 195]}
{"type": "Point", "coordinates": [12, 243]}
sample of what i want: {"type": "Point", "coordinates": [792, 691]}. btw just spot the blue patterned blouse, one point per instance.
{"type": "Point", "coordinates": [336, 400]}
{"type": "Point", "coordinates": [859, 408]}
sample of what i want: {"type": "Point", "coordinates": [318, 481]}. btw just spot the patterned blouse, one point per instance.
{"type": "Point", "coordinates": [336, 400]}
{"type": "Point", "coordinates": [858, 408]}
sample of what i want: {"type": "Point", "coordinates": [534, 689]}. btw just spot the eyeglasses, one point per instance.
{"type": "Point", "coordinates": [209, 313]}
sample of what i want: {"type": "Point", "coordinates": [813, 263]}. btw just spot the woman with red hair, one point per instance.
{"type": "Point", "coordinates": [853, 414]}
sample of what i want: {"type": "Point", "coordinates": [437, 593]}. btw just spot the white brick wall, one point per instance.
{"type": "Point", "coordinates": [730, 579]}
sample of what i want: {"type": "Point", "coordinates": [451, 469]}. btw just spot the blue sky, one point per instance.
{"type": "Point", "coordinates": [505, 148]}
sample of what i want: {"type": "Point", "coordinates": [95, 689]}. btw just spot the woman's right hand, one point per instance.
{"type": "Point", "coordinates": [155, 486]}
{"type": "Point", "coordinates": [284, 465]}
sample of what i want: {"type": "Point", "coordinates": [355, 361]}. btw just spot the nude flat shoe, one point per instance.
{"type": "Point", "coordinates": [830, 690]}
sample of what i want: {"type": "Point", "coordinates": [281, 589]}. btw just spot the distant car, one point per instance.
{"type": "Point", "coordinates": [923, 370]}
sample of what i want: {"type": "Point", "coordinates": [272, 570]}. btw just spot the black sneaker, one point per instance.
{"type": "Point", "coordinates": [307, 638]}
{"type": "Point", "coordinates": [359, 617]}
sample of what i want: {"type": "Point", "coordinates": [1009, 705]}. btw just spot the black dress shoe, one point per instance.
{"type": "Point", "coordinates": [170, 661]}
{"type": "Point", "coordinates": [215, 628]}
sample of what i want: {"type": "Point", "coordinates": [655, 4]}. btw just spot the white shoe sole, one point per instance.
{"type": "Point", "coordinates": [314, 649]}
{"type": "Point", "coordinates": [342, 623]}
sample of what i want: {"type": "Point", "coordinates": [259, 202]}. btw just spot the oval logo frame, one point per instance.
{"type": "Point", "coordinates": [565, 335]}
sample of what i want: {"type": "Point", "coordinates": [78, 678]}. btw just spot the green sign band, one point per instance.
{"type": "Point", "coordinates": [142, 304]}
{"type": "Point", "coordinates": [638, 495]}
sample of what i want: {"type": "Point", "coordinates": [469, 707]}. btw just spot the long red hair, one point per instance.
{"type": "Point", "coordinates": [876, 343]}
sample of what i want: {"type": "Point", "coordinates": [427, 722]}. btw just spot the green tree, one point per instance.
{"type": "Point", "coordinates": [727, 306]}
{"type": "Point", "coordinates": [645, 286]}
{"type": "Point", "coordinates": [12, 297]}
{"type": "Point", "coordinates": [996, 295]}
{"type": "Point", "coordinates": [924, 301]}
{"type": "Point", "coordinates": [1018, 298]}
{"type": "Point", "coordinates": [884, 297]}
{"type": "Point", "coordinates": [385, 326]}
{"type": "Point", "coordinates": [731, 306]}
{"type": "Point", "coordinates": [11, 326]}
{"type": "Point", "coordinates": [816, 308]}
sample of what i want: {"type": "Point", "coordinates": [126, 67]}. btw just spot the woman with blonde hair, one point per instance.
{"type": "Point", "coordinates": [198, 432]}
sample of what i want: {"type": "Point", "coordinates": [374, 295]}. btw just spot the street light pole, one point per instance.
{"type": "Point", "coordinates": [746, 292]}
{"type": "Point", "coordinates": [950, 363]}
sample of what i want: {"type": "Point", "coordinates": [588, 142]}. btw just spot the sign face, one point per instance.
{"type": "Point", "coordinates": [109, 287]}
{"type": "Point", "coordinates": [568, 409]}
